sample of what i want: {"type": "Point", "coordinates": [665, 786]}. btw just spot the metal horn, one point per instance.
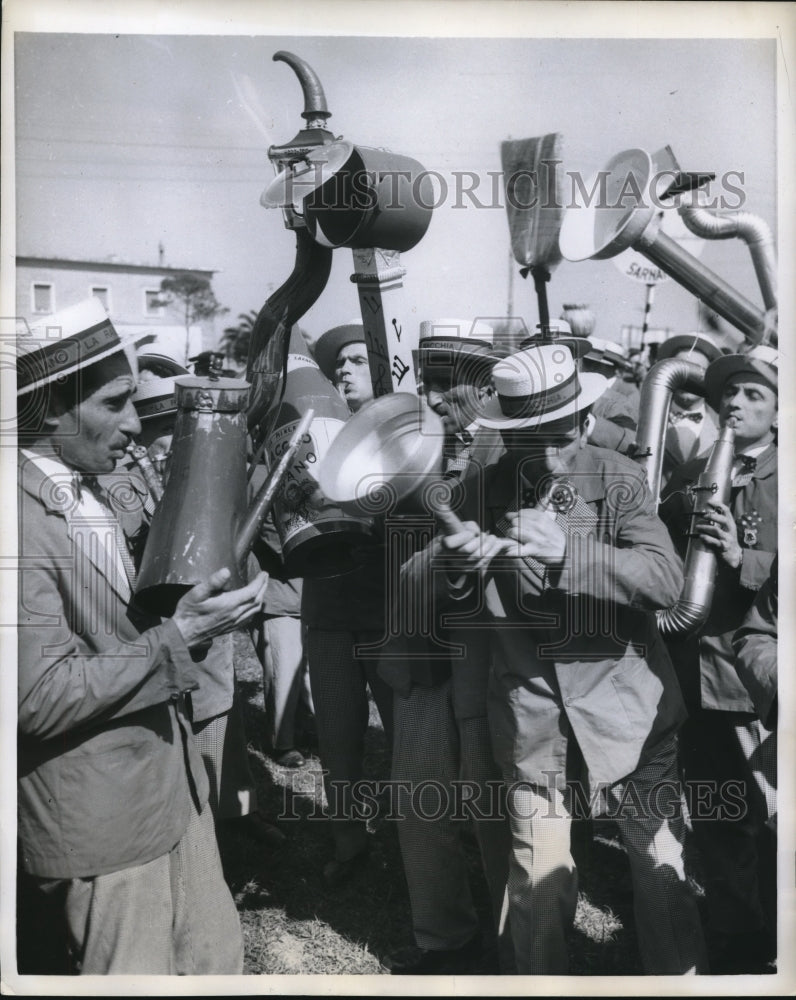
{"type": "Point", "coordinates": [661, 382]}
{"type": "Point", "coordinates": [607, 227]}
{"type": "Point", "coordinates": [700, 565]}
{"type": "Point", "coordinates": [753, 231]}
{"type": "Point", "coordinates": [203, 522]}
{"type": "Point", "coordinates": [284, 308]}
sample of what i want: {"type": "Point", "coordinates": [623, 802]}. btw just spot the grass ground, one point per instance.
{"type": "Point", "coordinates": [293, 924]}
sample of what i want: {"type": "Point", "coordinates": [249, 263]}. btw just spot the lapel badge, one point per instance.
{"type": "Point", "coordinates": [749, 523]}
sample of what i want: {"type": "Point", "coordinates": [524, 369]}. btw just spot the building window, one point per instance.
{"type": "Point", "coordinates": [152, 306]}
{"type": "Point", "coordinates": [103, 293]}
{"type": "Point", "coordinates": [43, 296]}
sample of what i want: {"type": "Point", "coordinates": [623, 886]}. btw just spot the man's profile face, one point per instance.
{"type": "Point", "coordinates": [95, 433]}
{"type": "Point", "coordinates": [547, 449]}
{"type": "Point", "coordinates": [456, 401]}
{"type": "Point", "coordinates": [352, 375]}
{"type": "Point", "coordinates": [752, 405]}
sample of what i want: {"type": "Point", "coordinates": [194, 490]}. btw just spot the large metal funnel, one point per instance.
{"type": "Point", "coordinates": [621, 213]}
{"type": "Point", "coordinates": [389, 451]}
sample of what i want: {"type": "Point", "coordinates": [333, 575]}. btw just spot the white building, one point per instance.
{"type": "Point", "coordinates": [130, 292]}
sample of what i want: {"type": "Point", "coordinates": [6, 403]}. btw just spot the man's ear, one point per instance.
{"type": "Point", "coordinates": [588, 428]}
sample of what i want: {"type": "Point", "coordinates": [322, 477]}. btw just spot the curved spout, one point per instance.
{"type": "Point", "coordinates": [314, 97]}
{"type": "Point", "coordinates": [662, 380]}
{"type": "Point", "coordinates": [752, 230]}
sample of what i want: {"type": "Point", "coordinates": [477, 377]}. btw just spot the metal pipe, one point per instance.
{"type": "Point", "coordinates": [663, 379]}
{"type": "Point", "coordinates": [752, 230]}
{"type": "Point", "coordinates": [264, 499]}
{"type": "Point", "coordinates": [699, 570]}
{"type": "Point", "coordinates": [701, 281]}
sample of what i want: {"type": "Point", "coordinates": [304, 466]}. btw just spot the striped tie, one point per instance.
{"type": "Point", "coordinates": [91, 483]}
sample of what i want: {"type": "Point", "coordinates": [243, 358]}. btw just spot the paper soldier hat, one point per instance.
{"type": "Point", "coordinates": [156, 397]}
{"type": "Point", "coordinates": [63, 343]}
{"type": "Point", "coordinates": [449, 343]}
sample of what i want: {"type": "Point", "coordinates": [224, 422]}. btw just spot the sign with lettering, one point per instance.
{"type": "Point", "coordinates": [637, 267]}
{"type": "Point", "coordinates": [391, 335]}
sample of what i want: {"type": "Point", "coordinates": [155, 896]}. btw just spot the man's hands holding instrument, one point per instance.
{"type": "Point", "coordinates": [208, 609]}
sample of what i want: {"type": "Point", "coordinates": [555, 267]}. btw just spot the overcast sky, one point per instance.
{"type": "Point", "coordinates": [127, 141]}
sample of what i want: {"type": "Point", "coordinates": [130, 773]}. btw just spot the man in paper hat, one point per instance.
{"type": "Point", "coordinates": [440, 724]}
{"type": "Point", "coordinates": [615, 413]}
{"type": "Point", "coordinates": [724, 744]}
{"type": "Point", "coordinates": [344, 614]}
{"type": "Point", "coordinates": [567, 555]}
{"type": "Point", "coordinates": [113, 819]}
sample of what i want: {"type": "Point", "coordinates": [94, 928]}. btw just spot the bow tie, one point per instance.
{"type": "Point", "coordinates": [748, 463]}
{"type": "Point", "coordinates": [696, 417]}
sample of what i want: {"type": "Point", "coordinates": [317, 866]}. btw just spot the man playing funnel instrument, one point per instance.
{"type": "Point", "coordinates": [583, 702]}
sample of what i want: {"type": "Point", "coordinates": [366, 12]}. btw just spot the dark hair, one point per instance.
{"type": "Point", "coordinates": [63, 394]}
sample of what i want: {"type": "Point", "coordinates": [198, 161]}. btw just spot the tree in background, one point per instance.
{"type": "Point", "coordinates": [193, 298]}
{"type": "Point", "coordinates": [235, 340]}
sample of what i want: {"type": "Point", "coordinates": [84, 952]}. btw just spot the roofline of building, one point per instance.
{"type": "Point", "coordinates": [112, 265]}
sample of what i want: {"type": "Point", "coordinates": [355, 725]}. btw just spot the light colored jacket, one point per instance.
{"type": "Point", "coordinates": [107, 763]}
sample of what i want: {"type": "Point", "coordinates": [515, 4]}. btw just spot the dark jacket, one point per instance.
{"type": "Point", "coordinates": [580, 648]}
{"type": "Point", "coordinates": [706, 663]}
{"type": "Point", "coordinates": [755, 647]}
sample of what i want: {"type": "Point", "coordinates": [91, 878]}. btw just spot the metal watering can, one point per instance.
{"type": "Point", "coordinates": [203, 521]}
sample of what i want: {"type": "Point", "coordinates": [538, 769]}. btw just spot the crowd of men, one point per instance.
{"type": "Point", "coordinates": [555, 696]}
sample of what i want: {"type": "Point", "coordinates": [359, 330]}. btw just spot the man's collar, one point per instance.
{"type": "Point", "coordinates": [766, 456]}
{"type": "Point", "coordinates": [584, 474]}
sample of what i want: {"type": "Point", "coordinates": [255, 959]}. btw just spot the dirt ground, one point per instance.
{"type": "Point", "coordinates": [293, 924]}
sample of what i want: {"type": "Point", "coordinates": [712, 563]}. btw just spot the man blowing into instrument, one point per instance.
{"type": "Point", "coordinates": [441, 730]}
{"type": "Point", "coordinates": [724, 745]}
{"type": "Point", "coordinates": [583, 700]}
{"type": "Point", "coordinates": [342, 613]}
{"type": "Point", "coordinates": [114, 823]}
